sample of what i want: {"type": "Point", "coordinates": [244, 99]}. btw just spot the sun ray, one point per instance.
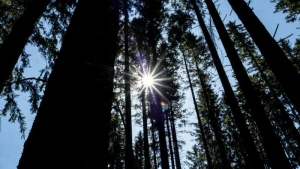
{"type": "Point", "coordinates": [159, 73]}
{"type": "Point", "coordinates": [159, 93]}
{"type": "Point", "coordinates": [162, 79]}
{"type": "Point", "coordinates": [161, 85]}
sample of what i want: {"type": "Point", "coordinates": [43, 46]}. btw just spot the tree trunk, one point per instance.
{"type": "Point", "coordinates": [80, 92]}
{"type": "Point", "coordinates": [129, 160]}
{"type": "Point", "coordinates": [175, 142]}
{"type": "Point", "coordinates": [170, 141]}
{"type": "Point", "coordinates": [155, 101]}
{"type": "Point", "coordinates": [248, 141]}
{"type": "Point", "coordinates": [154, 145]}
{"type": "Point", "coordinates": [215, 126]}
{"type": "Point", "coordinates": [13, 45]}
{"type": "Point", "coordinates": [283, 69]}
{"type": "Point", "coordinates": [270, 140]}
{"type": "Point", "coordinates": [145, 128]}
{"type": "Point", "coordinates": [287, 125]}
{"type": "Point", "coordinates": [209, 160]}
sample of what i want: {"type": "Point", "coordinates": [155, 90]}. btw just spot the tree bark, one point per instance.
{"type": "Point", "coordinates": [80, 92]}
{"type": "Point", "coordinates": [13, 45]}
{"type": "Point", "coordinates": [248, 141]}
{"type": "Point", "coordinates": [286, 74]}
{"type": "Point", "coordinates": [270, 140]}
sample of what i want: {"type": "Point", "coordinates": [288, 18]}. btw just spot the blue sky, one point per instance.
{"type": "Point", "coordinates": [11, 144]}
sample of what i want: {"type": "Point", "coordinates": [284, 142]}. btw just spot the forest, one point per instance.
{"type": "Point", "coordinates": [117, 75]}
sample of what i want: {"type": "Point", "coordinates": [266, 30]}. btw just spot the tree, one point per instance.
{"type": "Point", "coordinates": [170, 140]}
{"type": "Point", "coordinates": [288, 77]}
{"type": "Point", "coordinates": [139, 151]}
{"type": "Point", "coordinates": [116, 154]}
{"type": "Point", "coordinates": [129, 153]}
{"type": "Point", "coordinates": [199, 119]}
{"type": "Point", "coordinates": [154, 16]}
{"type": "Point", "coordinates": [145, 132]}
{"type": "Point", "coordinates": [47, 42]}
{"type": "Point", "coordinates": [292, 8]}
{"type": "Point", "coordinates": [246, 48]}
{"type": "Point", "coordinates": [13, 45]}
{"type": "Point", "coordinates": [81, 79]}
{"type": "Point", "coordinates": [276, 156]}
{"type": "Point", "coordinates": [231, 99]}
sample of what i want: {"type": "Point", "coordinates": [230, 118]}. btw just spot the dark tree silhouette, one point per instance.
{"type": "Point", "coordinates": [80, 90]}
{"type": "Point", "coordinates": [288, 77]}
{"type": "Point", "coordinates": [248, 142]}
{"type": "Point", "coordinates": [13, 45]}
{"type": "Point", "coordinates": [276, 157]}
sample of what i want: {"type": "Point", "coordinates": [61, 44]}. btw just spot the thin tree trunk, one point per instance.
{"type": "Point", "coordinates": [270, 140]}
{"type": "Point", "coordinates": [217, 131]}
{"type": "Point", "coordinates": [170, 141]}
{"type": "Point", "coordinates": [175, 142]}
{"type": "Point", "coordinates": [208, 157]}
{"type": "Point", "coordinates": [145, 128]}
{"type": "Point", "coordinates": [283, 69]}
{"type": "Point", "coordinates": [13, 45]}
{"type": "Point", "coordinates": [154, 145]}
{"type": "Point", "coordinates": [80, 92]}
{"type": "Point", "coordinates": [248, 141]}
{"type": "Point", "coordinates": [129, 160]}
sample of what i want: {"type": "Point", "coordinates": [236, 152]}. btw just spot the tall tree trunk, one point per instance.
{"type": "Point", "coordinates": [14, 43]}
{"type": "Point", "coordinates": [174, 136]}
{"type": "Point", "coordinates": [270, 140]}
{"type": "Point", "coordinates": [80, 91]}
{"type": "Point", "coordinates": [283, 69]}
{"type": "Point", "coordinates": [208, 157]}
{"type": "Point", "coordinates": [129, 160]}
{"type": "Point", "coordinates": [153, 145]}
{"type": "Point", "coordinates": [285, 122]}
{"type": "Point", "coordinates": [155, 97]}
{"type": "Point", "coordinates": [217, 131]}
{"type": "Point", "coordinates": [145, 128]}
{"type": "Point", "coordinates": [215, 125]}
{"type": "Point", "coordinates": [170, 141]}
{"type": "Point", "coordinates": [248, 141]}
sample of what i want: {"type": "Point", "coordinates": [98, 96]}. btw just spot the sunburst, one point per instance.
{"type": "Point", "coordinates": [150, 80]}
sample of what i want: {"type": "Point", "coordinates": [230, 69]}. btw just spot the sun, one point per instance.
{"type": "Point", "coordinates": [147, 81]}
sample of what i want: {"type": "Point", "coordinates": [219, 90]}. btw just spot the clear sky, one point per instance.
{"type": "Point", "coordinates": [11, 144]}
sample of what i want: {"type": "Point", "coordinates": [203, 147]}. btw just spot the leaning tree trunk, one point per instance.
{"type": "Point", "coordinates": [14, 43]}
{"type": "Point", "coordinates": [248, 141]}
{"type": "Point", "coordinates": [270, 140]}
{"type": "Point", "coordinates": [72, 124]}
{"type": "Point", "coordinates": [286, 123]}
{"type": "Point", "coordinates": [208, 157]}
{"type": "Point", "coordinates": [286, 74]}
{"type": "Point", "coordinates": [174, 136]}
{"type": "Point", "coordinates": [129, 160]}
{"type": "Point", "coordinates": [145, 128]}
